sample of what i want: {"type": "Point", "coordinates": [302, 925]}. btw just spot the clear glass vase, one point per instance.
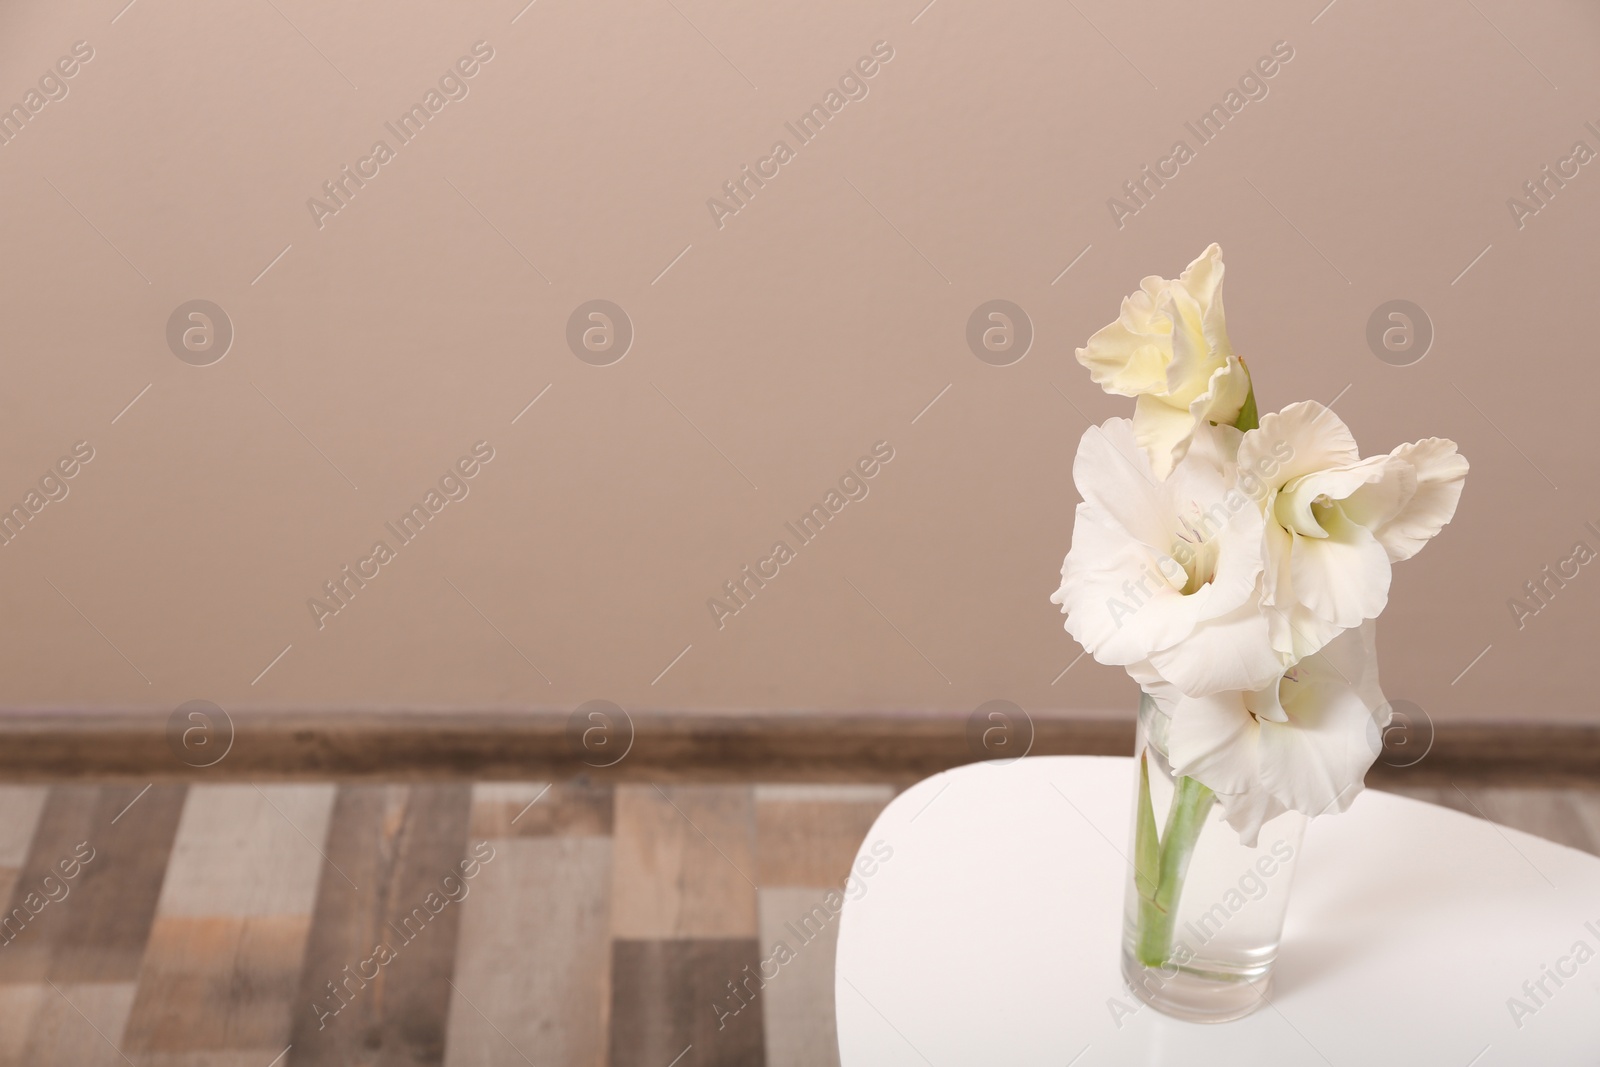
{"type": "Point", "coordinates": [1203, 913]}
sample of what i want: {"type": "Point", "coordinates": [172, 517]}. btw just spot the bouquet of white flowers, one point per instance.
{"type": "Point", "coordinates": [1233, 563]}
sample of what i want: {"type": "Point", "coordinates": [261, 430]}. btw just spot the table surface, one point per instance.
{"type": "Point", "coordinates": [991, 934]}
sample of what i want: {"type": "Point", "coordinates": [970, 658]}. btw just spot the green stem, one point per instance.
{"type": "Point", "coordinates": [1158, 905]}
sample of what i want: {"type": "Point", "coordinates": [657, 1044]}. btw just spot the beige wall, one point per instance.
{"type": "Point", "coordinates": [820, 319]}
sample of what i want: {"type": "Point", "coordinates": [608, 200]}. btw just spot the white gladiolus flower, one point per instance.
{"type": "Point", "coordinates": [1164, 576]}
{"type": "Point", "coordinates": [1302, 743]}
{"type": "Point", "coordinates": [1334, 523]}
{"type": "Point", "coordinates": [1169, 349]}
{"type": "Point", "coordinates": [1233, 565]}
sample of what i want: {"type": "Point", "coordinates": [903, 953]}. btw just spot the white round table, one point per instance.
{"type": "Point", "coordinates": [990, 936]}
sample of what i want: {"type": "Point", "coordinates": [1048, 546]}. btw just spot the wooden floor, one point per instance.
{"type": "Point", "coordinates": [457, 924]}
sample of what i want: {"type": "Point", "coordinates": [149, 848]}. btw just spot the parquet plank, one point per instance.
{"type": "Point", "coordinates": [533, 958]}
{"type": "Point", "coordinates": [684, 862]}
{"type": "Point", "coordinates": [375, 984]}
{"type": "Point", "coordinates": [674, 998]}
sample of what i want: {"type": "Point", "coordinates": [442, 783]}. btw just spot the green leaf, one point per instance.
{"type": "Point", "coordinates": [1248, 418]}
{"type": "Point", "coordinates": [1146, 849]}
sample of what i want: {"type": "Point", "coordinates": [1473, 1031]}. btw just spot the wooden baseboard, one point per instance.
{"type": "Point", "coordinates": [664, 746]}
